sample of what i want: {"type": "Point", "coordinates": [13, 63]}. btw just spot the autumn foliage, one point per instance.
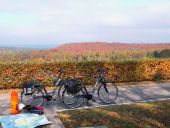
{"type": "Point", "coordinates": [87, 51]}
{"type": "Point", "coordinates": [12, 75]}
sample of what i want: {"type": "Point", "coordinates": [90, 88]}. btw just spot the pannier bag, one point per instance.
{"type": "Point", "coordinates": [73, 86]}
{"type": "Point", "coordinates": [28, 88]}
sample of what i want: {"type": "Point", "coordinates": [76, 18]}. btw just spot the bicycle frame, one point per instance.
{"type": "Point", "coordinates": [56, 84]}
{"type": "Point", "coordinates": [99, 79]}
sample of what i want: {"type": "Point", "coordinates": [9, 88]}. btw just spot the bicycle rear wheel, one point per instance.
{"type": "Point", "coordinates": [35, 99]}
{"type": "Point", "coordinates": [72, 100]}
{"type": "Point", "coordinates": [108, 92]}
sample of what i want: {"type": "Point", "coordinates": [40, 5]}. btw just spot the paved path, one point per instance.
{"type": "Point", "coordinates": [133, 93]}
{"type": "Point", "coordinates": [129, 93]}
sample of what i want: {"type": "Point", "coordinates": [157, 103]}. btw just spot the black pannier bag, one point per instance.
{"type": "Point", "coordinates": [28, 87]}
{"type": "Point", "coordinates": [73, 86]}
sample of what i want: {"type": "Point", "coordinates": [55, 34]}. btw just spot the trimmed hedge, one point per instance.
{"type": "Point", "coordinates": [14, 74]}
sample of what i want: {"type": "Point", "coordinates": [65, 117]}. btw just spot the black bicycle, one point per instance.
{"type": "Point", "coordinates": [34, 93]}
{"type": "Point", "coordinates": [75, 91]}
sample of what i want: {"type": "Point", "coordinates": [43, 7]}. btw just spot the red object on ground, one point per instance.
{"type": "Point", "coordinates": [14, 102]}
{"type": "Point", "coordinates": [40, 108]}
{"type": "Point", "coordinates": [31, 107]}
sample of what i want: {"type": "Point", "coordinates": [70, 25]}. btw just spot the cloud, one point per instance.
{"type": "Point", "coordinates": [70, 21]}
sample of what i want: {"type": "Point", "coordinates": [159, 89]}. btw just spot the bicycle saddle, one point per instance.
{"type": "Point", "coordinates": [40, 78]}
{"type": "Point", "coordinates": [79, 77]}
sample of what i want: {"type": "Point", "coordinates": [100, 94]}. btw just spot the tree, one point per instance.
{"type": "Point", "coordinates": [165, 53]}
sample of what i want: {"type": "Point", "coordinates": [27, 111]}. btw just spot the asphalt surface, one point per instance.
{"type": "Point", "coordinates": [127, 93]}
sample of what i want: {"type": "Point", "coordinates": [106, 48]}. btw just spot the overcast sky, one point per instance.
{"type": "Point", "coordinates": [48, 23]}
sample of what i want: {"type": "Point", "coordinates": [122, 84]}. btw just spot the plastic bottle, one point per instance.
{"type": "Point", "coordinates": [14, 102]}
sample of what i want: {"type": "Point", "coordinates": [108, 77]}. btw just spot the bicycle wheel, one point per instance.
{"type": "Point", "coordinates": [72, 100]}
{"type": "Point", "coordinates": [108, 92]}
{"type": "Point", "coordinates": [35, 99]}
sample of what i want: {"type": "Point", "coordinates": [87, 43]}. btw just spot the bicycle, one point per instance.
{"type": "Point", "coordinates": [35, 93]}
{"type": "Point", "coordinates": [107, 92]}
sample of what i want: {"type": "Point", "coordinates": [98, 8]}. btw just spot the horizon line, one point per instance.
{"type": "Point", "coordinates": [88, 42]}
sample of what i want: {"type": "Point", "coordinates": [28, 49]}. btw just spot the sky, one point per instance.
{"type": "Point", "coordinates": [49, 23]}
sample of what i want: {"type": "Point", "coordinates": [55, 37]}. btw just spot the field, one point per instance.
{"type": "Point", "coordinates": [139, 115]}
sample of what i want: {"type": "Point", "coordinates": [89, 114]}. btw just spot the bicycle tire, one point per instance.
{"type": "Point", "coordinates": [76, 102]}
{"type": "Point", "coordinates": [109, 96]}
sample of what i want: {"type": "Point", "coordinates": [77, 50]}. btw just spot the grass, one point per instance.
{"type": "Point", "coordinates": [138, 115]}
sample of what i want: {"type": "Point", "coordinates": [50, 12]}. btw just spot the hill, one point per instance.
{"type": "Point", "coordinates": [87, 51]}
{"type": "Point", "coordinates": [107, 47]}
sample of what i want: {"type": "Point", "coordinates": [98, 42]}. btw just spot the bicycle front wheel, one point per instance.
{"type": "Point", "coordinates": [35, 99]}
{"type": "Point", "coordinates": [108, 92]}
